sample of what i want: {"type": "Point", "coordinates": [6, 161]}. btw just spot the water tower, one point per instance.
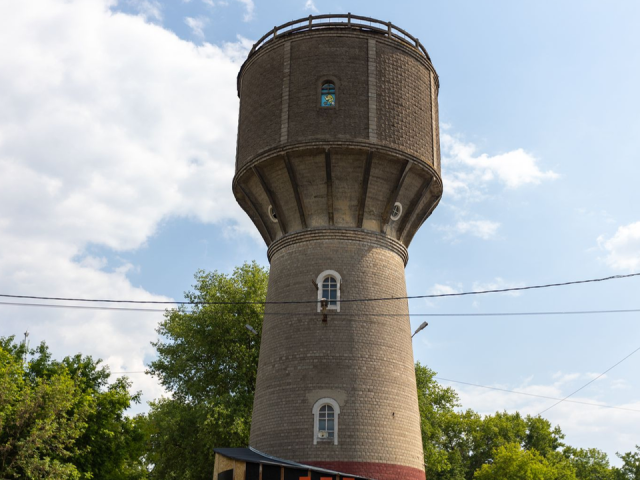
{"type": "Point", "coordinates": [338, 166]}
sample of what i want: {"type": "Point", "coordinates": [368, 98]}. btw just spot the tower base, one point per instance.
{"type": "Point", "coordinates": [379, 471]}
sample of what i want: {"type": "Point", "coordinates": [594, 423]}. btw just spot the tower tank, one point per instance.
{"type": "Point", "coordinates": [338, 166]}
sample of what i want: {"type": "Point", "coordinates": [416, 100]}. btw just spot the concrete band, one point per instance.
{"type": "Point", "coordinates": [379, 471]}
{"type": "Point", "coordinates": [274, 45]}
{"type": "Point", "coordinates": [339, 233]}
{"type": "Point", "coordinates": [304, 147]}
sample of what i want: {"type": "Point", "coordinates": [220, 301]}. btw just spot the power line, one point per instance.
{"type": "Point", "coordinates": [295, 314]}
{"type": "Point", "coordinates": [84, 307]}
{"type": "Point", "coordinates": [589, 382]}
{"type": "Point", "coordinates": [380, 299]}
{"type": "Point", "coordinates": [534, 395]}
{"type": "Point", "coordinates": [489, 388]}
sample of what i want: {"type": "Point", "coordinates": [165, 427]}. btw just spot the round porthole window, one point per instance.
{"type": "Point", "coordinates": [272, 215]}
{"type": "Point", "coordinates": [397, 211]}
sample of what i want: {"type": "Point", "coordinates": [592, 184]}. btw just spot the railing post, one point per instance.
{"type": "Point", "coordinates": [310, 21]}
{"type": "Point", "coordinates": [389, 25]}
{"type": "Point", "coordinates": [417, 44]}
{"type": "Point", "coordinates": [349, 19]}
{"type": "Point", "coordinates": [275, 31]}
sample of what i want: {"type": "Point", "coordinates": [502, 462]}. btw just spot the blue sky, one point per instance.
{"type": "Point", "coordinates": [117, 144]}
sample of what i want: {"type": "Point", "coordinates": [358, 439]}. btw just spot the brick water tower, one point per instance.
{"type": "Point", "coordinates": [338, 165]}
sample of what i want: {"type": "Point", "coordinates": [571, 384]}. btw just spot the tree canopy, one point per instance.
{"type": "Point", "coordinates": [64, 420]}
{"type": "Point", "coordinates": [208, 360]}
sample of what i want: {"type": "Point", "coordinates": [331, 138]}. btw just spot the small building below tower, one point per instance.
{"type": "Point", "coordinates": [250, 464]}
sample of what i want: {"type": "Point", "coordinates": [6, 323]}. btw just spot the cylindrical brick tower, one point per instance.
{"type": "Point", "coordinates": [338, 165]}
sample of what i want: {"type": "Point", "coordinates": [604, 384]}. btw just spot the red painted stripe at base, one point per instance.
{"type": "Point", "coordinates": [379, 471]}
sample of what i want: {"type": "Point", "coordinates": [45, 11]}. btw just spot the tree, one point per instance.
{"type": "Point", "coordinates": [39, 422]}
{"type": "Point", "coordinates": [457, 444]}
{"type": "Point", "coordinates": [208, 360]}
{"type": "Point", "coordinates": [437, 418]}
{"type": "Point", "coordinates": [515, 463]}
{"type": "Point", "coordinates": [630, 469]}
{"type": "Point", "coordinates": [62, 419]}
{"type": "Point", "coordinates": [589, 463]}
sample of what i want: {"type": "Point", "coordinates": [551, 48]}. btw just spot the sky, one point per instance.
{"type": "Point", "coordinates": [118, 126]}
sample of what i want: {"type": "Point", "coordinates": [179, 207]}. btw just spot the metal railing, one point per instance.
{"type": "Point", "coordinates": [348, 21]}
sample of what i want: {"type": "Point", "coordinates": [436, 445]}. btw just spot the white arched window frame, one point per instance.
{"type": "Point", "coordinates": [320, 281]}
{"type": "Point", "coordinates": [316, 418]}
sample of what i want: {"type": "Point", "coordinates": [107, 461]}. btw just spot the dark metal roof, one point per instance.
{"type": "Point", "coordinates": [255, 456]}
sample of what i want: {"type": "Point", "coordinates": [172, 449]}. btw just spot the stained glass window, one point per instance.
{"type": "Point", "coordinates": [328, 95]}
{"type": "Point", "coordinates": [330, 290]}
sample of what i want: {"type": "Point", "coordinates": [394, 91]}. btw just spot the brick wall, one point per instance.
{"type": "Point", "coordinates": [386, 94]}
{"type": "Point", "coordinates": [333, 174]}
{"type": "Point", "coordinates": [404, 102]}
{"type": "Point", "coordinates": [362, 358]}
{"type": "Point", "coordinates": [312, 61]}
{"type": "Point", "coordinates": [260, 105]}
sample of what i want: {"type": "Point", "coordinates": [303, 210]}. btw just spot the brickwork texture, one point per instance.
{"type": "Point", "coordinates": [320, 184]}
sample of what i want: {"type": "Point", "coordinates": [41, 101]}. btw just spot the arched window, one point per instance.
{"type": "Point", "coordinates": [325, 418]}
{"type": "Point", "coordinates": [329, 283]}
{"type": "Point", "coordinates": [330, 290]}
{"type": "Point", "coordinates": [328, 94]}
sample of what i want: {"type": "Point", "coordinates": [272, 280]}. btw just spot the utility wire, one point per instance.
{"type": "Point", "coordinates": [589, 382]}
{"type": "Point", "coordinates": [84, 307]}
{"type": "Point", "coordinates": [296, 314]}
{"type": "Point", "coordinates": [440, 295]}
{"type": "Point", "coordinates": [524, 393]}
{"type": "Point", "coordinates": [489, 388]}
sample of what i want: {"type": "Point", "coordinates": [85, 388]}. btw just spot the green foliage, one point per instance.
{"type": "Point", "coordinates": [457, 444]}
{"type": "Point", "coordinates": [208, 360]}
{"type": "Point", "coordinates": [40, 420]}
{"type": "Point", "coordinates": [589, 463]}
{"type": "Point", "coordinates": [515, 463]}
{"type": "Point", "coordinates": [64, 420]}
{"type": "Point", "coordinates": [436, 404]}
{"type": "Point", "coordinates": [630, 466]}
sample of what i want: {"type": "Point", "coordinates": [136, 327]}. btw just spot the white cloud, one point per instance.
{"type": "Point", "coordinates": [623, 249]}
{"type": "Point", "coordinates": [562, 378]}
{"type": "Point", "coordinates": [498, 284]}
{"type": "Point", "coordinates": [619, 384]}
{"type": "Point", "coordinates": [439, 289]}
{"type": "Point", "coordinates": [149, 9]}
{"type": "Point", "coordinates": [484, 229]}
{"type": "Point", "coordinates": [197, 25]}
{"type": "Point", "coordinates": [109, 124]}
{"type": "Point", "coordinates": [468, 176]}
{"type": "Point", "coordinates": [467, 173]}
{"type": "Point", "coordinates": [249, 8]}
{"type": "Point", "coordinates": [311, 6]}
